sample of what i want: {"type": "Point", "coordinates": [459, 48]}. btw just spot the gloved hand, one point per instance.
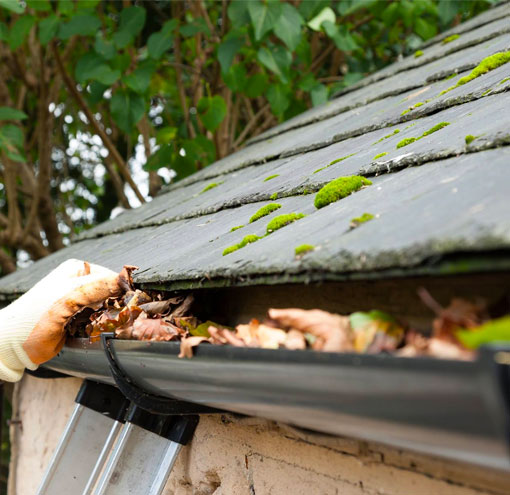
{"type": "Point", "coordinates": [32, 327]}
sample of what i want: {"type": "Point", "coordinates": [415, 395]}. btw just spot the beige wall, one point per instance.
{"type": "Point", "coordinates": [248, 456]}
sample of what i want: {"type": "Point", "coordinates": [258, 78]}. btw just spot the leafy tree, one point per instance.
{"type": "Point", "coordinates": [90, 89]}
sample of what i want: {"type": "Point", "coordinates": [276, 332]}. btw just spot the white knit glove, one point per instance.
{"type": "Point", "coordinates": [32, 327]}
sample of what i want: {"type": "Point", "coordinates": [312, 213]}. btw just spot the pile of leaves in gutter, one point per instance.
{"type": "Point", "coordinates": [457, 330]}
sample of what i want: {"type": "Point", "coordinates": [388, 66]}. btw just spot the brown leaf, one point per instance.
{"type": "Point", "coordinates": [135, 298]}
{"type": "Point", "coordinates": [188, 344]}
{"type": "Point", "coordinates": [333, 332]}
{"type": "Point", "coordinates": [126, 277]}
{"type": "Point", "coordinates": [183, 308]}
{"type": "Point", "coordinates": [458, 314]}
{"type": "Point", "coordinates": [156, 329]}
{"type": "Point", "coordinates": [156, 307]}
{"type": "Point", "coordinates": [224, 336]}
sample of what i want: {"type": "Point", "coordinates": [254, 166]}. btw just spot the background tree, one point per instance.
{"type": "Point", "coordinates": [90, 91]}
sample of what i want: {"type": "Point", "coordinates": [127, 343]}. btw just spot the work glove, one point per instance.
{"type": "Point", "coordinates": [32, 327]}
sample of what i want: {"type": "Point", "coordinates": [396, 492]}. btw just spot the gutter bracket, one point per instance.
{"type": "Point", "coordinates": [154, 404]}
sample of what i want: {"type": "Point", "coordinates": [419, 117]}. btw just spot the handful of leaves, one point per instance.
{"type": "Point", "coordinates": [152, 316]}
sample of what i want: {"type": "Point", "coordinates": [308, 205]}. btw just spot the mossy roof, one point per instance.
{"type": "Point", "coordinates": [440, 205]}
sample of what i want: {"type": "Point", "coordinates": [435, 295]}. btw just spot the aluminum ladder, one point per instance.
{"type": "Point", "coordinates": [111, 446]}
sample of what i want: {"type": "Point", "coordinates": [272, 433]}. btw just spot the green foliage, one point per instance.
{"type": "Point", "coordinates": [264, 211]}
{"type": "Point", "coordinates": [493, 331]}
{"type": "Point", "coordinates": [303, 249]}
{"type": "Point", "coordinates": [339, 188]}
{"type": "Point", "coordinates": [283, 220]}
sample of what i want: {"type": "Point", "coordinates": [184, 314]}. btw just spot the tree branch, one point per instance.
{"type": "Point", "coordinates": [123, 167]}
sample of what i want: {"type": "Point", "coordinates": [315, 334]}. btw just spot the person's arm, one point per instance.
{"type": "Point", "coordinates": [32, 327]}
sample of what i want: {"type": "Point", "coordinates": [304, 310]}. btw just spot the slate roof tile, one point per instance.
{"type": "Point", "coordinates": [433, 199]}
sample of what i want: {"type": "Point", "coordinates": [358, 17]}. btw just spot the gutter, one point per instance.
{"type": "Point", "coordinates": [452, 409]}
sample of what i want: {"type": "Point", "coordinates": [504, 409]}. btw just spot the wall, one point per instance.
{"type": "Point", "coordinates": [246, 456]}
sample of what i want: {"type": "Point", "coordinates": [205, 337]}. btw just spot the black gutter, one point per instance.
{"type": "Point", "coordinates": [453, 409]}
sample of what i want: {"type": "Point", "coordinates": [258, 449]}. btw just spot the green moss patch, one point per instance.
{"type": "Point", "coordinates": [405, 142]}
{"type": "Point", "coordinates": [271, 177]}
{"type": "Point", "coordinates": [384, 153]}
{"type": "Point", "coordinates": [396, 131]}
{"type": "Point", "coordinates": [433, 129]}
{"type": "Point", "coordinates": [436, 128]}
{"type": "Point", "coordinates": [303, 249]}
{"type": "Point", "coordinates": [210, 186]}
{"type": "Point", "coordinates": [233, 229]}
{"type": "Point", "coordinates": [339, 188]}
{"type": "Point", "coordinates": [486, 65]}
{"type": "Point", "coordinates": [273, 196]}
{"type": "Point", "coordinates": [264, 211]}
{"type": "Point", "coordinates": [282, 220]}
{"type": "Point", "coordinates": [416, 105]}
{"type": "Point", "coordinates": [366, 217]}
{"type": "Point", "coordinates": [469, 138]}
{"type": "Point", "coordinates": [341, 159]}
{"type": "Point", "coordinates": [503, 81]}
{"type": "Point", "coordinates": [451, 38]}
{"type": "Point", "coordinates": [418, 53]}
{"type": "Point", "coordinates": [244, 242]}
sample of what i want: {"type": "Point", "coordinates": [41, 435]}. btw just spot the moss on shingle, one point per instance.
{"type": "Point", "coordinates": [405, 142]}
{"type": "Point", "coordinates": [264, 211]}
{"type": "Point", "coordinates": [384, 153]}
{"type": "Point", "coordinates": [355, 222]}
{"type": "Point", "coordinates": [282, 220]}
{"type": "Point", "coordinates": [341, 159]}
{"type": "Point", "coordinates": [339, 188]}
{"type": "Point", "coordinates": [271, 177]}
{"type": "Point", "coordinates": [469, 138]}
{"type": "Point", "coordinates": [451, 38]}
{"type": "Point", "coordinates": [210, 186]}
{"type": "Point", "coordinates": [233, 229]}
{"type": "Point", "coordinates": [436, 128]}
{"type": "Point", "coordinates": [273, 196]}
{"type": "Point", "coordinates": [486, 65]}
{"type": "Point", "coordinates": [303, 249]}
{"type": "Point", "coordinates": [244, 242]}
{"type": "Point", "coordinates": [418, 53]}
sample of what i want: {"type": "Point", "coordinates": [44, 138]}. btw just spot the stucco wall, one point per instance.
{"type": "Point", "coordinates": [246, 456]}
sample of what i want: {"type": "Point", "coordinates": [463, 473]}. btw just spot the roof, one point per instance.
{"type": "Point", "coordinates": [437, 202]}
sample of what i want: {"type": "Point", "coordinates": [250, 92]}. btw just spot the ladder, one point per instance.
{"type": "Point", "coordinates": [111, 446]}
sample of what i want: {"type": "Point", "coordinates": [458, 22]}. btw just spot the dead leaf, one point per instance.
{"type": "Point", "coordinates": [156, 307]}
{"type": "Point", "coordinates": [333, 332]}
{"type": "Point", "coordinates": [126, 277]}
{"type": "Point", "coordinates": [458, 314]}
{"type": "Point", "coordinates": [184, 307]}
{"type": "Point", "coordinates": [188, 344]}
{"type": "Point", "coordinates": [155, 329]}
{"type": "Point", "coordinates": [224, 336]}
{"type": "Point", "coordinates": [440, 348]}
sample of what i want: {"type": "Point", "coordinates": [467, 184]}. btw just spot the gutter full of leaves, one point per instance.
{"type": "Point", "coordinates": [456, 331]}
